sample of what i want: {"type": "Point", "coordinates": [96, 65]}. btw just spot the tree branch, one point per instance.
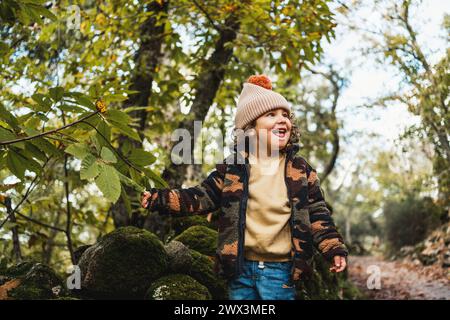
{"type": "Point", "coordinates": [208, 17]}
{"type": "Point", "coordinates": [68, 230]}
{"type": "Point", "coordinates": [48, 132]}
{"type": "Point", "coordinates": [42, 224]}
{"type": "Point", "coordinates": [32, 185]}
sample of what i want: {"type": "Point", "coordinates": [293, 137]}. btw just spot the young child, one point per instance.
{"type": "Point", "coordinates": [272, 209]}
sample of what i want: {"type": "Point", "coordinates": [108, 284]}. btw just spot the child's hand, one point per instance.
{"type": "Point", "coordinates": [339, 264]}
{"type": "Point", "coordinates": [144, 198]}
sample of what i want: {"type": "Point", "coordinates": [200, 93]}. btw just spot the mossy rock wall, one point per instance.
{"type": "Point", "coordinates": [31, 281]}
{"type": "Point", "coordinates": [122, 264]}
{"type": "Point", "coordinates": [179, 225]}
{"type": "Point", "coordinates": [200, 267]}
{"type": "Point", "coordinates": [202, 271]}
{"type": "Point", "coordinates": [199, 238]}
{"type": "Point", "coordinates": [177, 287]}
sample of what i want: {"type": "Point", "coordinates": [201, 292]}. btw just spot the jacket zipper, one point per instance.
{"type": "Point", "coordinates": [242, 218]}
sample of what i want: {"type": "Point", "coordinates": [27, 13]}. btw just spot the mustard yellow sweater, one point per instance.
{"type": "Point", "coordinates": [267, 232]}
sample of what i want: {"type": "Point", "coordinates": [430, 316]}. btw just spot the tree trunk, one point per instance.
{"type": "Point", "coordinates": [206, 87]}
{"type": "Point", "coordinates": [15, 231]}
{"type": "Point", "coordinates": [337, 84]}
{"type": "Point", "coordinates": [146, 58]}
{"type": "Point", "coordinates": [48, 247]}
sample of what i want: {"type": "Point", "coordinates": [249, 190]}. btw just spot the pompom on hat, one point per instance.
{"type": "Point", "coordinates": [256, 99]}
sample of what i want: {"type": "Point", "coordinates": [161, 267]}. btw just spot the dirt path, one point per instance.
{"type": "Point", "coordinates": [399, 279]}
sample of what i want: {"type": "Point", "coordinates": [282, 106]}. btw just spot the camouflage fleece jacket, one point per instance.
{"type": "Point", "coordinates": [226, 188]}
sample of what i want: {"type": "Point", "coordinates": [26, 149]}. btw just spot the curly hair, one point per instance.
{"type": "Point", "coordinates": [293, 139]}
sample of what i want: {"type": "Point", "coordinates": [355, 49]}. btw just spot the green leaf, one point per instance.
{"type": "Point", "coordinates": [159, 182]}
{"type": "Point", "coordinates": [25, 117]}
{"type": "Point", "coordinates": [127, 147]}
{"type": "Point", "coordinates": [308, 52]}
{"type": "Point", "coordinates": [32, 165]}
{"type": "Point", "coordinates": [108, 182]}
{"type": "Point", "coordinates": [46, 147]}
{"type": "Point", "coordinates": [118, 116]}
{"type": "Point", "coordinates": [16, 163]}
{"type": "Point", "coordinates": [108, 155]}
{"type": "Point", "coordinates": [35, 151]}
{"type": "Point", "coordinates": [21, 15]}
{"type": "Point", "coordinates": [126, 130]}
{"type": "Point", "coordinates": [35, 1]}
{"type": "Point", "coordinates": [149, 108]}
{"type": "Point", "coordinates": [89, 168]}
{"type": "Point", "coordinates": [93, 121]}
{"type": "Point", "coordinates": [6, 135]}
{"type": "Point", "coordinates": [81, 99]}
{"type": "Point", "coordinates": [56, 93]}
{"type": "Point", "coordinates": [141, 157]}
{"type": "Point", "coordinates": [42, 116]}
{"type": "Point", "coordinates": [4, 48]}
{"type": "Point", "coordinates": [31, 13]}
{"type": "Point", "coordinates": [72, 109]}
{"type": "Point", "coordinates": [131, 91]}
{"type": "Point", "coordinates": [79, 150]}
{"type": "Point", "coordinates": [130, 182]}
{"type": "Point", "coordinates": [40, 10]}
{"type": "Point", "coordinates": [114, 97]}
{"type": "Point", "coordinates": [134, 174]}
{"type": "Point", "coordinates": [8, 117]}
{"type": "Point", "coordinates": [126, 200]}
{"type": "Point", "coordinates": [44, 103]}
{"type": "Point", "coordinates": [103, 132]}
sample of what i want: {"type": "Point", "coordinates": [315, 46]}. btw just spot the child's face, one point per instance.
{"type": "Point", "coordinates": [275, 127]}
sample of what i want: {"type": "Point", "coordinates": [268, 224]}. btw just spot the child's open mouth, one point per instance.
{"type": "Point", "coordinates": [280, 133]}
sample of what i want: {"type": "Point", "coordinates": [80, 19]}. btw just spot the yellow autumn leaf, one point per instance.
{"type": "Point", "coordinates": [100, 19]}
{"type": "Point", "coordinates": [289, 63]}
{"type": "Point", "coordinates": [314, 35]}
{"type": "Point", "coordinates": [100, 105]}
{"type": "Point", "coordinates": [229, 8]}
{"type": "Point", "coordinates": [83, 26]}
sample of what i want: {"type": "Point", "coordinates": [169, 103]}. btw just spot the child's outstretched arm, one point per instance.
{"type": "Point", "coordinates": [200, 199]}
{"type": "Point", "coordinates": [326, 238]}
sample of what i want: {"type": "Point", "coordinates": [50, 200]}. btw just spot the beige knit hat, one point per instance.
{"type": "Point", "coordinates": [256, 99]}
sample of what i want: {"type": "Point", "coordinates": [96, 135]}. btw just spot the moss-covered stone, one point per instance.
{"type": "Point", "coordinates": [199, 238]}
{"type": "Point", "coordinates": [67, 298]}
{"type": "Point", "coordinates": [200, 267]}
{"type": "Point", "coordinates": [3, 279]}
{"type": "Point", "coordinates": [3, 266]}
{"type": "Point", "coordinates": [177, 287]}
{"type": "Point", "coordinates": [20, 269]}
{"type": "Point", "coordinates": [180, 258]}
{"type": "Point", "coordinates": [183, 223]}
{"type": "Point", "coordinates": [202, 271]}
{"type": "Point", "coordinates": [78, 252]}
{"type": "Point", "coordinates": [40, 282]}
{"type": "Point", "coordinates": [122, 264]}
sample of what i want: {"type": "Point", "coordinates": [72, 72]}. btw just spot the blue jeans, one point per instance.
{"type": "Point", "coordinates": [266, 281]}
